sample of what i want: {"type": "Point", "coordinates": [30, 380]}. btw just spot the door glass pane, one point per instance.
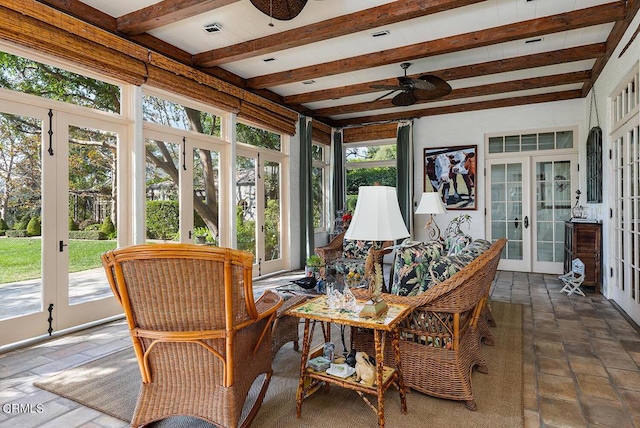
{"type": "Point", "coordinates": [162, 186]}
{"type": "Point", "coordinates": [206, 203]}
{"type": "Point", "coordinates": [553, 202]}
{"type": "Point", "coordinates": [246, 204]}
{"type": "Point", "coordinates": [20, 202]}
{"type": "Point", "coordinates": [92, 210]}
{"type": "Point", "coordinates": [506, 207]}
{"type": "Point", "coordinates": [272, 212]}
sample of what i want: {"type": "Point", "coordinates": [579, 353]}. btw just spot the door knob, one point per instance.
{"type": "Point", "coordinates": [516, 223]}
{"type": "Point", "coordinates": [526, 222]}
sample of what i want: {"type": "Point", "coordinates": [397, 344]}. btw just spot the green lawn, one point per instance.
{"type": "Point", "coordinates": [20, 258]}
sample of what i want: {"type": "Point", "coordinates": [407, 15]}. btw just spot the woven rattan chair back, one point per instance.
{"type": "Point", "coordinates": [199, 337]}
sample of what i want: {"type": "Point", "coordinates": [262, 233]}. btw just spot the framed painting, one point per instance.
{"type": "Point", "coordinates": [451, 171]}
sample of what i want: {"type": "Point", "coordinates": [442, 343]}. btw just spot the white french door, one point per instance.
{"type": "Point", "coordinates": [183, 178]}
{"type": "Point", "coordinates": [259, 215]}
{"type": "Point", "coordinates": [625, 257]}
{"type": "Point", "coordinates": [528, 200]}
{"type": "Point", "coordinates": [44, 146]}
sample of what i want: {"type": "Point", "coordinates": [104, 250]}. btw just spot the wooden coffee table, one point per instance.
{"type": "Point", "coordinates": [317, 310]}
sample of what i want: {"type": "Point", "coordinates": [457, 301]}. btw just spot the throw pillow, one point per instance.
{"type": "Point", "coordinates": [446, 266]}
{"type": "Point", "coordinates": [410, 266]}
{"type": "Point", "coordinates": [477, 247]}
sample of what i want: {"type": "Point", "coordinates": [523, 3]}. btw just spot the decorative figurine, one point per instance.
{"type": "Point", "coordinates": [335, 299]}
{"type": "Point", "coordinates": [351, 358]}
{"type": "Point", "coordinates": [350, 303]}
{"type": "Point", "coordinates": [365, 369]}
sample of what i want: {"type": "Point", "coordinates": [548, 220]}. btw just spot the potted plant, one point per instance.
{"type": "Point", "coordinates": [312, 265]}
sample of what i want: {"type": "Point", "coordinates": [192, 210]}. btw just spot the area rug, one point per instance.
{"type": "Point", "coordinates": [110, 385]}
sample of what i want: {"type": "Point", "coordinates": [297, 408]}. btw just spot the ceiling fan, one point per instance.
{"type": "Point", "coordinates": [425, 87]}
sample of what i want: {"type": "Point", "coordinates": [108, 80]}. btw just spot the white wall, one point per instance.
{"type": "Point", "coordinates": [470, 128]}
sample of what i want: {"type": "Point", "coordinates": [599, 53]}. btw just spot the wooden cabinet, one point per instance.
{"type": "Point", "coordinates": [584, 241]}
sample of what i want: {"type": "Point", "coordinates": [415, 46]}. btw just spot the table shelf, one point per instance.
{"type": "Point", "coordinates": [388, 377]}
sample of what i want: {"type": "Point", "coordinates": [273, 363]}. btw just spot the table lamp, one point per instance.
{"type": "Point", "coordinates": [376, 218]}
{"type": "Point", "coordinates": [430, 203]}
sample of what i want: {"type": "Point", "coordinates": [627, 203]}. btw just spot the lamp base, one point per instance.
{"type": "Point", "coordinates": [373, 309]}
{"type": "Point", "coordinates": [433, 231]}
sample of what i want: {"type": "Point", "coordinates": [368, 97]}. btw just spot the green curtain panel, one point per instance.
{"type": "Point", "coordinates": [338, 173]}
{"type": "Point", "coordinates": [404, 178]}
{"type": "Point", "coordinates": [306, 191]}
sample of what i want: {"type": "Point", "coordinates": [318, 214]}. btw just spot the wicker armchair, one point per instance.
{"type": "Point", "coordinates": [344, 255]}
{"type": "Point", "coordinates": [200, 339]}
{"type": "Point", "coordinates": [439, 340]}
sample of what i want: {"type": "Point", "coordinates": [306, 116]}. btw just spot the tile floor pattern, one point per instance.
{"type": "Point", "coordinates": [581, 363]}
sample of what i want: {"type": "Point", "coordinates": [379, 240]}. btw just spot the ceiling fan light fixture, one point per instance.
{"type": "Point", "coordinates": [282, 10]}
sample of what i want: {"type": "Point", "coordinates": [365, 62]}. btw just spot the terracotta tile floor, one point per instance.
{"type": "Point", "coordinates": [582, 363]}
{"type": "Point", "coordinates": [581, 358]}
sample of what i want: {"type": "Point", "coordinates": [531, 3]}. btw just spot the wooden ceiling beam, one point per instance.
{"type": "Point", "coordinates": [472, 91]}
{"type": "Point", "coordinates": [164, 13]}
{"type": "Point", "coordinates": [458, 108]}
{"type": "Point", "coordinates": [106, 22]}
{"type": "Point", "coordinates": [85, 12]}
{"type": "Point", "coordinates": [615, 36]}
{"type": "Point", "coordinates": [579, 53]}
{"type": "Point", "coordinates": [587, 17]}
{"type": "Point", "coordinates": [363, 20]}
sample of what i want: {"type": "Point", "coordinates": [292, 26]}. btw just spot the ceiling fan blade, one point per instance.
{"type": "Point", "coordinates": [439, 92]}
{"type": "Point", "coordinates": [387, 94]}
{"type": "Point", "coordinates": [411, 83]}
{"type": "Point", "coordinates": [436, 81]}
{"type": "Point", "coordinates": [405, 98]}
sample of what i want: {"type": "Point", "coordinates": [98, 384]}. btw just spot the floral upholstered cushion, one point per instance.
{"type": "Point", "coordinates": [457, 243]}
{"type": "Point", "coordinates": [445, 267]}
{"type": "Point", "coordinates": [477, 247]}
{"type": "Point", "coordinates": [354, 249]}
{"type": "Point", "coordinates": [410, 268]}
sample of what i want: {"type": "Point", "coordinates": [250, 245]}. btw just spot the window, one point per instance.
{"type": "Point", "coordinates": [258, 137]}
{"type": "Point", "coordinates": [319, 185]}
{"type": "Point", "coordinates": [369, 164]}
{"type": "Point", "coordinates": [31, 77]}
{"type": "Point", "coordinates": [174, 115]}
{"type": "Point", "coordinates": [531, 142]}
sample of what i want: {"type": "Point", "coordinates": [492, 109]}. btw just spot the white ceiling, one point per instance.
{"type": "Point", "coordinates": [242, 22]}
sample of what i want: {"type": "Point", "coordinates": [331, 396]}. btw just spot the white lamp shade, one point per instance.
{"type": "Point", "coordinates": [377, 216]}
{"type": "Point", "coordinates": [430, 203]}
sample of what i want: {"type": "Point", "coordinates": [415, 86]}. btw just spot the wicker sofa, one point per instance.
{"type": "Point", "coordinates": [440, 340]}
